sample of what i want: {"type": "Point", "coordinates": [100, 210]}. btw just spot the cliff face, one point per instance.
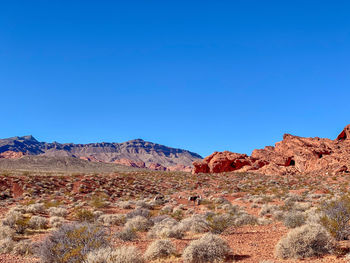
{"type": "Point", "coordinates": [293, 155]}
{"type": "Point", "coordinates": [135, 153]}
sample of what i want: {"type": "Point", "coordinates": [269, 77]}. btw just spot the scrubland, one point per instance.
{"type": "Point", "coordinates": [145, 216]}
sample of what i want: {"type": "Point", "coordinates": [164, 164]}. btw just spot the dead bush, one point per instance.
{"type": "Point", "coordinates": [6, 245]}
{"type": "Point", "coordinates": [58, 211]}
{"type": "Point", "coordinates": [305, 241]}
{"type": "Point", "coordinates": [294, 219]}
{"type": "Point", "coordinates": [120, 255]}
{"type": "Point", "coordinates": [56, 221]}
{"type": "Point", "coordinates": [38, 222]}
{"type": "Point", "coordinates": [209, 248]}
{"type": "Point", "coordinates": [160, 249]}
{"type": "Point", "coordinates": [138, 223]}
{"type": "Point", "coordinates": [195, 224]}
{"type": "Point", "coordinates": [127, 234]}
{"type": "Point", "coordinates": [112, 219]}
{"type": "Point", "coordinates": [72, 242]}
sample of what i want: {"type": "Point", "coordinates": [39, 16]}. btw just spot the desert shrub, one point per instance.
{"type": "Point", "coordinates": [301, 206]}
{"type": "Point", "coordinates": [6, 232]}
{"type": "Point", "coordinates": [219, 223]}
{"type": "Point", "coordinates": [262, 221]}
{"type": "Point", "coordinates": [314, 216]}
{"type": "Point", "coordinates": [166, 228]}
{"type": "Point", "coordinates": [294, 198]}
{"type": "Point", "coordinates": [177, 214]}
{"type": "Point", "coordinates": [172, 232]}
{"type": "Point", "coordinates": [139, 212]}
{"type": "Point", "coordinates": [160, 218]}
{"type": "Point", "coordinates": [72, 242]}
{"type": "Point", "coordinates": [143, 204]}
{"type": "Point", "coordinates": [11, 218]}
{"type": "Point", "coordinates": [278, 215]}
{"type": "Point", "coordinates": [23, 248]}
{"type": "Point", "coordinates": [125, 204]}
{"type": "Point", "coordinates": [98, 202]}
{"type": "Point", "coordinates": [126, 234]}
{"type": "Point", "coordinates": [38, 222]}
{"type": "Point", "coordinates": [138, 223]}
{"type": "Point", "coordinates": [35, 208]}
{"type": "Point", "coordinates": [167, 209]}
{"type": "Point", "coordinates": [336, 217]}
{"type": "Point", "coordinates": [195, 224]}
{"type": "Point", "coordinates": [58, 211]}
{"type": "Point", "coordinates": [209, 248]}
{"type": "Point", "coordinates": [84, 215]}
{"type": "Point", "coordinates": [6, 245]}
{"type": "Point", "coordinates": [304, 241]}
{"type": "Point", "coordinates": [220, 200]}
{"type": "Point", "coordinates": [234, 210]}
{"type": "Point", "coordinates": [17, 221]}
{"type": "Point", "coordinates": [294, 219]}
{"type": "Point", "coordinates": [52, 203]}
{"type": "Point", "coordinates": [102, 255]}
{"type": "Point", "coordinates": [112, 219]}
{"type": "Point", "coordinates": [267, 209]}
{"type": "Point", "coordinates": [160, 249]}
{"type": "Point", "coordinates": [245, 219]}
{"type": "Point", "coordinates": [120, 255]}
{"type": "Point", "coordinates": [56, 221]}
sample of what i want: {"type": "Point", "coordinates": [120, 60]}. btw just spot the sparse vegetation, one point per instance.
{"type": "Point", "coordinates": [305, 241]}
{"type": "Point", "coordinates": [209, 248]}
{"type": "Point", "coordinates": [72, 242]}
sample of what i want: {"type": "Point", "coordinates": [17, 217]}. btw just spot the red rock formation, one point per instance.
{"type": "Point", "coordinates": [179, 167]}
{"type": "Point", "coordinates": [90, 158]}
{"type": "Point", "coordinates": [290, 156]}
{"type": "Point", "coordinates": [11, 155]}
{"type": "Point", "coordinates": [130, 163]}
{"type": "Point", "coordinates": [157, 167]}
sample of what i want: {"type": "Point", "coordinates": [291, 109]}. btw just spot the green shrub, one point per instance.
{"type": "Point", "coordinates": [336, 217]}
{"type": "Point", "coordinates": [84, 215]}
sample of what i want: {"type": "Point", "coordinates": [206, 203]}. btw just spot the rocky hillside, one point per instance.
{"type": "Point", "coordinates": [293, 155]}
{"type": "Point", "coordinates": [135, 153]}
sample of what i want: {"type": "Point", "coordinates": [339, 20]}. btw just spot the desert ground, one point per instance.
{"type": "Point", "coordinates": [241, 217]}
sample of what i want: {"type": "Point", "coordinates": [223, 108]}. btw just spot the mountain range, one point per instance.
{"type": "Point", "coordinates": [134, 153]}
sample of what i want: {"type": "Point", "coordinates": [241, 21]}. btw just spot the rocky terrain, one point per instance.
{"type": "Point", "coordinates": [146, 217]}
{"type": "Point", "coordinates": [134, 153]}
{"type": "Point", "coordinates": [52, 207]}
{"type": "Point", "coordinates": [293, 155]}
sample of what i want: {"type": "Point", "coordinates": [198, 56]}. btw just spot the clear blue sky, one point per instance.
{"type": "Point", "coordinates": [201, 75]}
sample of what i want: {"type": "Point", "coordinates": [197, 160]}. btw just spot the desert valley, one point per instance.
{"type": "Point", "coordinates": [139, 201]}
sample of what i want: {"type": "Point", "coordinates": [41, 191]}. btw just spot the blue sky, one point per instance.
{"type": "Point", "coordinates": [201, 75]}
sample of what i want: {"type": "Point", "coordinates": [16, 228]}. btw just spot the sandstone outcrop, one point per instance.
{"type": "Point", "coordinates": [293, 155]}
{"type": "Point", "coordinates": [130, 163]}
{"type": "Point", "coordinates": [157, 167]}
{"type": "Point", "coordinates": [11, 155]}
{"type": "Point", "coordinates": [179, 167]}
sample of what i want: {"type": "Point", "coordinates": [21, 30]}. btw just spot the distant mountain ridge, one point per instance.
{"type": "Point", "coordinates": [134, 151]}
